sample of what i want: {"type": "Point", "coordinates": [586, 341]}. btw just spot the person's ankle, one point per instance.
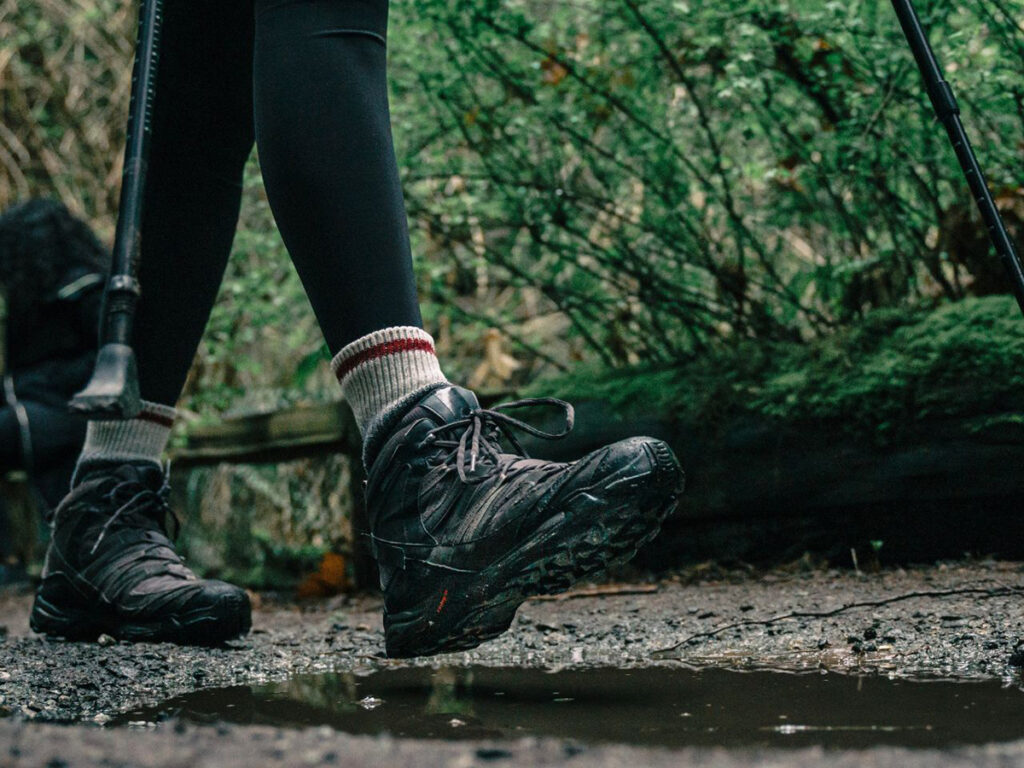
{"type": "Point", "coordinates": [109, 444]}
{"type": "Point", "coordinates": [382, 376]}
{"type": "Point", "coordinates": [94, 469]}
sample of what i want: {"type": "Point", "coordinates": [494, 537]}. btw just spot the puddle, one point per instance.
{"type": "Point", "coordinates": [655, 707]}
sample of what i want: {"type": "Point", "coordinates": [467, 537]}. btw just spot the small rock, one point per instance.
{"type": "Point", "coordinates": [370, 702]}
{"type": "Point", "coordinates": [490, 753]}
{"type": "Point", "coordinates": [870, 633]}
{"type": "Point", "coordinates": [823, 644]}
{"type": "Point", "coordinates": [106, 641]}
{"type": "Point", "coordinates": [102, 719]}
{"type": "Point", "coordinates": [1017, 657]}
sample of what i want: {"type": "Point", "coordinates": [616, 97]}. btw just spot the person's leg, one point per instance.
{"type": "Point", "coordinates": [324, 136]}
{"type": "Point", "coordinates": [56, 439]}
{"type": "Point", "coordinates": [111, 566]}
{"type": "Point", "coordinates": [10, 459]}
{"type": "Point", "coordinates": [10, 440]}
{"type": "Point", "coordinates": [55, 436]}
{"type": "Point", "coordinates": [463, 531]}
{"type": "Point", "coordinates": [202, 135]}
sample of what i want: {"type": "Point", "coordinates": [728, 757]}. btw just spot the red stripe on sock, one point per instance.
{"type": "Point", "coordinates": [383, 350]}
{"type": "Point", "coordinates": [156, 418]}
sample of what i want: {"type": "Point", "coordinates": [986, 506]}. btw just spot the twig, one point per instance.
{"type": "Point", "coordinates": [1001, 592]}
{"type": "Point", "coordinates": [601, 591]}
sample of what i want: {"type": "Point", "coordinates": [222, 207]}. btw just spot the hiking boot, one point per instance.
{"type": "Point", "coordinates": [464, 532]}
{"type": "Point", "coordinates": [111, 569]}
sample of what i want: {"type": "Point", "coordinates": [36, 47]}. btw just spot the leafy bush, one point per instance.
{"type": "Point", "coordinates": [669, 175]}
{"type": "Point", "coordinates": [614, 181]}
{"type": "Point", "coordinates": [877, 377]}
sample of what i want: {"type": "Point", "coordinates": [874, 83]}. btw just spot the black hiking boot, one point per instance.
{"type": "Point", "coordinates": [111, 569]}
{"type": "Point", "coordinates": [464, 532]}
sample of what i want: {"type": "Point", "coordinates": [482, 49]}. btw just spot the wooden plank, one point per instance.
{"type": "Point", "coordinates": [290, 433]}
{"type": "Point", "coordinates": [285, 434]}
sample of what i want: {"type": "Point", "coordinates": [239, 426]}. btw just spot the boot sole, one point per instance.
{"type": "Point", "coordinates": [583, 540]}
{"type": "Point", "coordinates": [226, 619]}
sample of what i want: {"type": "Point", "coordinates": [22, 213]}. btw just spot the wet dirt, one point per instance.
{"type": "Point", "coordinates": [959, 637]}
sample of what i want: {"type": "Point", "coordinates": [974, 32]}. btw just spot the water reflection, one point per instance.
{"type": "Point", "coordinates": [665, 707]}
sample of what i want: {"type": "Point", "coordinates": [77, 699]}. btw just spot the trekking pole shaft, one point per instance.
{"type": "Point", "coordinates": [123, 289]}
{"type": "Point", "coordinates": [113, 390]}
{"type": "Point", "coordinates": [948, 111]}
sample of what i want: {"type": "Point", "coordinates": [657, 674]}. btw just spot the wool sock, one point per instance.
{"type": "Point", "coordinates": [117, 442]}
{"type": "Point", "coordinates": [382, 374]}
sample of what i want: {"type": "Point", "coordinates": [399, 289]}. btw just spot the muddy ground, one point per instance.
{"type": "Point", "coordinates": [970, 634]}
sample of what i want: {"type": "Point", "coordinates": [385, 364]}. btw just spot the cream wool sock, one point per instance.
{"type": "Point", "coordinates": [143, 438]}
{"type": "Point", "coordinates": [383, 373]}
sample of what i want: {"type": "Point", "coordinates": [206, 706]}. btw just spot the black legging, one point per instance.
{"type": "Point", "coordinates": [313, 74]}
{"type": "Point", "coordinates": [56, 438]}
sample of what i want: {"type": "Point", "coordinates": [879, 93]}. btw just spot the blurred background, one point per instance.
{"type": "Point", "coordinates": [735, 224]}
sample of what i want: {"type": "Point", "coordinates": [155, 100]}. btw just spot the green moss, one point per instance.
{"type": "Point", "coordinates": [892, 370]}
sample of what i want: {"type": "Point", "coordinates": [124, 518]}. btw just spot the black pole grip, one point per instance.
{"type": "Point", "coordinates": [944, 103]}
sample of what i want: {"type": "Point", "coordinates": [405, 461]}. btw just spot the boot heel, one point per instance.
{"type": "Point", "coordinates": [51, 616]}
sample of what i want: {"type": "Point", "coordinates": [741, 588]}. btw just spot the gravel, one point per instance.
{"type": "Point", "coordinates": [964, 636]}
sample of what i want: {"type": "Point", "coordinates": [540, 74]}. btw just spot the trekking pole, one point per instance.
{"type": "Point", "coordinates": [113, 390]}
{"type": "Point", "coordinates": [948, 111]}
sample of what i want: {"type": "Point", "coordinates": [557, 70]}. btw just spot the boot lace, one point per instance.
{"type": "Point", "coordinates": [483, 428]}
{"type": "Point", "coordinates": [137, 498]}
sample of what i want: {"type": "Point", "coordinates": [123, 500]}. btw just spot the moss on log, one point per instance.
{"type": "Point", "coordinates": [896, 369]}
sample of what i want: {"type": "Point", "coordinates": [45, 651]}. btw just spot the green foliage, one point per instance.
{"type": "Point", "coordinates": [608, 182]}
{"type": "Point", "coordinates": [669, 176]}
{"type": "Point", "coordinates": [262, 348]}
{"type": "Point", "coordinates": [877, 377]}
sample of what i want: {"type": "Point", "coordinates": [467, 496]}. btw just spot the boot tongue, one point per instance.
{"type": "Point", "coordinates": [147, 473]}
{"type": "Point", "coordinates": [105, 489]}
{"type": "Point", "coordinates": [445, 405]}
